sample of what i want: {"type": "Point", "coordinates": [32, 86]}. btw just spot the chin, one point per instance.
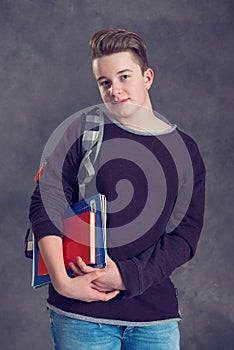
{"type": "Point", "coordinates": [122, 111]}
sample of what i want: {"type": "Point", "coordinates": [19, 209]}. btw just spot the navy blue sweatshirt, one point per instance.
{"type": "Point", "coordinates": [155, 189]}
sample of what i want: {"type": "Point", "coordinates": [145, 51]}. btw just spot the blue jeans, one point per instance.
{"type": "Point", "coordinates": [72, 334]}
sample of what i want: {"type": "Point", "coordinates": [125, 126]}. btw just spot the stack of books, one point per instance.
{"type": "Point", "coordinates": [84, 235]}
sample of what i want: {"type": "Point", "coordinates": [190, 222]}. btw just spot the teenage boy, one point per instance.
{"type": "Point", "coordinates": [132, 303]}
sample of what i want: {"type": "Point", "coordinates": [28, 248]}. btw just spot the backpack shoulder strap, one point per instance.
{"type": "Point", "coordinates": [91, 144]}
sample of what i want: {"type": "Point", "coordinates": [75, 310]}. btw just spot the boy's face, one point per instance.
{"type": "Point", "coordinates": [123, 87]}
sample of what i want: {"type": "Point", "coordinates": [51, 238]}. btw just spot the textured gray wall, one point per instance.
{"type": "Point", "coordinates": [45, 77]}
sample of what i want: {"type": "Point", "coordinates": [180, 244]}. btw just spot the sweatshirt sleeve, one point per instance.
{"type": "Point", "coordinates": [57, 185]}
{"type": "Point", "coordinates": [173, 249]}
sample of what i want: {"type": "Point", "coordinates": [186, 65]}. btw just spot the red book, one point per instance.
{"type": "Point", "coordinates": [79, 240]}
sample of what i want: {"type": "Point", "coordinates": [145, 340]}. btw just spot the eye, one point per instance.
{"type": "Point", "coordinates": [104, 83]}
{"type": "Point", "coordinates": [124, 77]}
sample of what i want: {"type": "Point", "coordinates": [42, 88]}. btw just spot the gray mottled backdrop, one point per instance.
{"type": "Point", "coordinates": [45, 76]}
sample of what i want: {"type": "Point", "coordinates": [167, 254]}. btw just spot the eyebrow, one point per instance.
{"type": "Point", "coordinates": [118, 73]}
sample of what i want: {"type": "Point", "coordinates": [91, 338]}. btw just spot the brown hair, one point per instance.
{"type": "Point", "coordinates": [107, 42]}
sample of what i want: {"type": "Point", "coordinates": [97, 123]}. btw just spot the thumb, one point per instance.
{"type": "Point", "coordinates": [94, 275]}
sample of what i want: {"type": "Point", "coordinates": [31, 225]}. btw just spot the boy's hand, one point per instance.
{"type": "Point", "coordinates": [82, 288]}
{"type": "Point", "coordinates": [111, 280]}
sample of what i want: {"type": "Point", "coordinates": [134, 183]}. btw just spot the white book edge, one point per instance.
{"type": "Point", "coordinates": [92, 238]}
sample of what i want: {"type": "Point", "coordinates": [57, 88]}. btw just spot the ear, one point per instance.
{"type": "Point", "coordinates": [149, 78]}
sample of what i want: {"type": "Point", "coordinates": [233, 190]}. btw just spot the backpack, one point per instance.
{"type": "Point", "coordinates": [92, 135]}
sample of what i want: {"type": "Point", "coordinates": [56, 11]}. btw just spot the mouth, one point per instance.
{"type": "Point", "coordinates": [119, 102]}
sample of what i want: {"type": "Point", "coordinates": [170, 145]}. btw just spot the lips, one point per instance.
{"type": "Point", "coordinates": [120, 101]}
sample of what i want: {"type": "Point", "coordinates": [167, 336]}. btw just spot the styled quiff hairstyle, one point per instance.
{"type": "Point", "coordinates": [107, 42]}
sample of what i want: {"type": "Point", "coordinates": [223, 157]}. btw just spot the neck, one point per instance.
{"type": "Point", "coordinates": [143, 119]}
{"type": "Point", "coordinates": [137, 117]}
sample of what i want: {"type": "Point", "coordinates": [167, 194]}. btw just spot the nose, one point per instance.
{"type": "Point", "coordinates": [115, 89]}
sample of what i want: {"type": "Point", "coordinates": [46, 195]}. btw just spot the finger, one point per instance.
{"type": "Point", "coordinates": [75, 269]}
{"type": "Point", "coordinates": [100, 288]}
{"type": "Point", "coordinates": [100, 296]}
{"type": "Point", "coordinates": [108, 259]}
{"type": "Point", "coordinates": [94, 275]}
{"type": "Point", "coordinates": [100, 285]}
{"type": "Point", "coordinates": [83, 267]}
{"type": "Point", "coordinates": [110, 295]}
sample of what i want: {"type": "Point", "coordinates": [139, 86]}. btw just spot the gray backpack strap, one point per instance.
{"type": "Point", "coordinates": [91, 144]}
